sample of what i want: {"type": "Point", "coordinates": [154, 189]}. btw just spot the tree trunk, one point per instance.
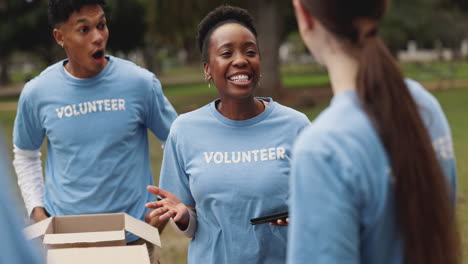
{"type": "Point", "coordinates": [268, 20]}
{"type": "Point", "coordinates": [4, 66]}
{"type": "Point", "coordinates": [149, 54]}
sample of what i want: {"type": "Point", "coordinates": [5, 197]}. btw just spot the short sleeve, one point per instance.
{"type": "Point", "coordinates": [28, 132]}
{"type": "Point", "coordinates": [324, 213]}
{"type": "Point", "coordinates": [173, 177]}
{"type": "Point", "coordinates": [159, 112]}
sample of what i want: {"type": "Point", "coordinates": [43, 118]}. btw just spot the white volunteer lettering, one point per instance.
{"type": "Point", "coordinates": [246, 157]}
{"type": "Point", "coordinates": [114, 105]}
{"type": "Point", "coordinates": [235, 157]}
{"type": "Point", "coordinates": [280, 152]}
{"type": "Point", "coordinates": [218, 157]}
{"type": "Point", "coordinates": [208, 158]}
{"type": "Point", "coordinates": [92, 107]}
{"type": "Point", "coordinates": [226, 158]}
{"type": "Point", "coordinates": [444, 147]}
{"type": "Point", "coordinates": [68, 111]}
{"type": "Point", "coordinates": [121, 104]}
{"type": "Point", "coordinates": [255, 152]}
{"type": "Point", "coordinates": [59, 112]}
{"type": "Point", "coordinates": [107, 105]}
{"type": "Point", "coordinates": [83, 108]}
{"type": "Point", "coordinates": [99, 102]}
{"type": "Point", "coordinates": [74, 110]}
{"type": "Point", "coordinates": [271, 154]}
{"type": "Point", "coordinates": [263, 154]}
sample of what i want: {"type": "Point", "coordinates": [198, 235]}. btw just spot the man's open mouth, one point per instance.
{"type": "Point", "coordinates": [98, 54]}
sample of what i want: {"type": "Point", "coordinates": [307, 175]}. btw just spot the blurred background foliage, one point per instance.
{"type": "Point", "coordinates": [164, 31]}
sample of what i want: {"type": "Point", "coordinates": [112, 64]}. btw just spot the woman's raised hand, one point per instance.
{"type": "Point", "coordinates": [169, 206]}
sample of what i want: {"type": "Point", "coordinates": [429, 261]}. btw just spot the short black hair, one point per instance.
{"type": "Point", "coordinates": [221, 15]}
{"type": "Point", "coordinates": [60, 10]}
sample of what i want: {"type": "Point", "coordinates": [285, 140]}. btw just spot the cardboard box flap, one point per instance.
{"type": "Point", "coordinates": [142, 229]}
{"type": "Point", "coordinates": [88, 237]}
{"type": "Point", "coordinates": [89, 223]}
{"type": "Point", "coordinates": [38, 229]}
{"type": "Point", "coordinates": [100, 255]}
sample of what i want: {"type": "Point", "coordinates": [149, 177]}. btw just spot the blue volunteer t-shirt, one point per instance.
{"type": "Point", "coordinates": [342, 196]}
{"type": "Point", "coordinates": [233, 171]}
{"type": "Point", "coordinates": [15, 248]}
{"type": "Point", "coordinates": [97, 142]}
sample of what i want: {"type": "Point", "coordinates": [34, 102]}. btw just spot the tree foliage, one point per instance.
{"type": "Point", "coordinates": [424, 21]}
{"type": "Point", "coordinates": [127, 25]}
{"type": "Point", "coordinates": [23, 27]}
{"type": "Point", "coordinates": [156, 25]}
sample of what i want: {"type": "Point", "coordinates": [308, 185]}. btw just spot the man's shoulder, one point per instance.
{"type": "Point", "coordinates": [131, 68]}
{"type": "Point", "coordinates": [44, 80]}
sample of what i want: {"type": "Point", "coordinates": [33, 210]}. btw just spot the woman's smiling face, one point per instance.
{"type": "Point", "coordinates": [233, 61]}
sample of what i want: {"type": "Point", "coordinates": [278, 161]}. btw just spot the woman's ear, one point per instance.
{"type": "Point", "coordinates": [206, 69]}
{"type": "Point", "coordinates": [304, 19]}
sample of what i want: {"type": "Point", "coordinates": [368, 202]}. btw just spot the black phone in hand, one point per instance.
{"type": "Point", "coordinates": [269, 218]}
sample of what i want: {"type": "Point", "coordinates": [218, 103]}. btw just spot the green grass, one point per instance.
{"type": "Point", "coordinates": [190, 96]}
{"type": "Point", "coordinates": [436, 71]}
{"type": "Point", "coordinates": [307, 76]}
{"type": "Point", "coordinates": [454, 103]}
{"type": "Point", "coordinates": [306, 80]}
{"type": "Point", "coordinates": [183, 90]}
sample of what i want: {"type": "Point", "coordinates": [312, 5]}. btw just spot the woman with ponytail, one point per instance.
{"type": "Point", "coordinates": [373, 178]}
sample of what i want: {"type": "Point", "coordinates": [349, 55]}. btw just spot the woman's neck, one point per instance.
{"type": "Point", "coordinates": [343, 70]}
{"type": "Point", "coordinates": [242, 109]}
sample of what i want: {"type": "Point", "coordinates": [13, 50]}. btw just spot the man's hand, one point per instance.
{"type": "Point", "coordinates": [169, 206]}
{"type": "Point", "coordinates": [39, 214]}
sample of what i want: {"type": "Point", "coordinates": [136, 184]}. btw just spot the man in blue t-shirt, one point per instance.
{"type": "Point", "coordinates": [95, 111]}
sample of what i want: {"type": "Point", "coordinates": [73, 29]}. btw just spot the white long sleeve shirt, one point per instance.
{"type": "Point", "coordinates": [27, 164]}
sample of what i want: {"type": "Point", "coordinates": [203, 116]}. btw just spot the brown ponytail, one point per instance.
{"type": "Point", "coordinates": [426, 216]}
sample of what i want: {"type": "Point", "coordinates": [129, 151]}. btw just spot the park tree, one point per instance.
{"type": "Point", "coordinates": [17, 18]}
{"type": "Point", "coordinates": [424, 21]}
{"type": "Point", "coordinates": [24, 28]}
{"type": "Point", "coordinates": [127, 25]}
{"type": "Point", "coordinates": [270, 28]}
{"type": "Point", "coordinates": [7, 46]}
{"type": "Point", "coordinates": [179, 29]}
{"type": "Point", "coordinates": [173, 24]}
{"type": "Point", "coordinates": [34, 33]}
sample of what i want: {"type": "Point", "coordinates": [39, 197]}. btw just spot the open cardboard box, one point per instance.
{"type": "Point", "coordinates": [102, 255]}
{"type": "Point", "coordinates": [98, 238]}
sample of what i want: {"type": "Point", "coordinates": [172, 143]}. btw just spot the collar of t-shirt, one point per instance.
{"type": "Point", "coordinates": [69, 74]}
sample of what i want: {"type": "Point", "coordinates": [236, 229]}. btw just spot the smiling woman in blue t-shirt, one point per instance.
{"type": "Point", "coordinates": [228, 161]}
